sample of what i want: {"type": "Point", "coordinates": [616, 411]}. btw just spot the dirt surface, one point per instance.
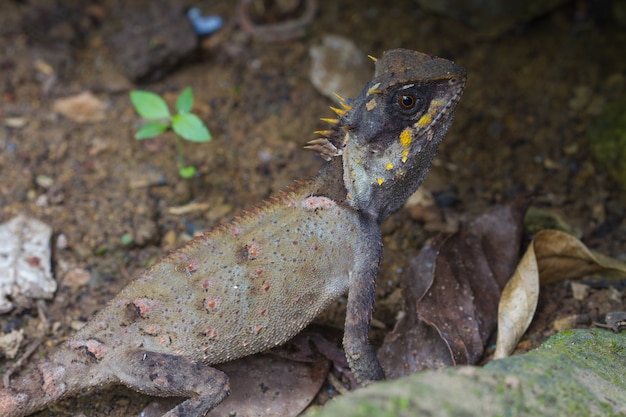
{"type": "Point", "coordinates": [520, 128]}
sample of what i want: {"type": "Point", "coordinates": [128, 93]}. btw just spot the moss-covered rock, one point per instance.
{"type": "Point", "coordinates": [575, 373]}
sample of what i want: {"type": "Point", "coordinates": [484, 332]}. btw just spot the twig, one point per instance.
{"type": "Point", "coordinates": [276, 32]}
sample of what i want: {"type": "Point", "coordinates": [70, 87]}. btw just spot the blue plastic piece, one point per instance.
{"type": "Point", "coordinates": [204, 25]}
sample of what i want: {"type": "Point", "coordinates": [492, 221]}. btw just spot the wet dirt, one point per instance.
{"type": "Point", "coordinates": [520, 128]}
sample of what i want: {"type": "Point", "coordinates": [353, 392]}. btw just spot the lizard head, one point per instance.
{"type": "Point", "coordinates": [389, 134]}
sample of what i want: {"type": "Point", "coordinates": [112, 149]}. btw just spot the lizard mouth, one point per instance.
{"type": "Point", "coordinates": [448, 106]}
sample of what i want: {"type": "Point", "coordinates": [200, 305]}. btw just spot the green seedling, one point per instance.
{"type": "Point", "coordinates": [185, 124]}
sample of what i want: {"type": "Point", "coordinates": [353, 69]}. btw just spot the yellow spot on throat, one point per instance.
{"type": "Point", "coordinates": [389, 166]}
{"type": "Point", "coordinates": [424, 121]}
{"type": "Point", "coordinates": [380, 181]}
{"type": "Point", "coordinates": [406, 138]}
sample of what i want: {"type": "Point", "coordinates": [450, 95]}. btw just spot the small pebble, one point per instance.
{"type": "Point", "coordinates": [580, 291]}
{"type": "Point", "coordinates": [62, 242]}
{"type": "Point", "coordinates": [339, 66]}
{"type": "Point", "coordinates": [42, 201]}
{"type": "Point", "coordinates": [15, 122]}
{"type": "Point", "coordinates": [77, 325]}
{"type": "Point", "coordinates": [77, 277]}
{"type": "Point", "coordinates": [616, 295]}
{"type": "Point", "coordinates": [10, 343]}
{"type": "Point", "coordinates": [570, 322]}
{"type": "Point", "coordinates": [25, 270]}
{"type": "Point", "coordinates": [44, 181]}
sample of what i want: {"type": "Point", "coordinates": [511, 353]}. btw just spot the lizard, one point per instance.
{"type": "Point", "coordinates": [254, 283]}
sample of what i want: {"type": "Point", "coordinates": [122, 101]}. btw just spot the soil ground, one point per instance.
{"type": "Point", "coordinates": [520, 128]}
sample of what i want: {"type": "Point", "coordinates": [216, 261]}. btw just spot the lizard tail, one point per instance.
{"type": "Point", "coordinates": [64, 374]}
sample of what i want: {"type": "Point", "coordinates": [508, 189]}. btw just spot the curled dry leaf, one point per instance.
{"type": "Point", "coordinates": [517, 304]}
{"type": "Point", "coordinates": [451, 294]}
{"type": "Point", "coordinates": [561, 256]}
{"type": "Point", "coordinates": [551, 256]}
{"type": "Point", "coordinates": [82, 108]}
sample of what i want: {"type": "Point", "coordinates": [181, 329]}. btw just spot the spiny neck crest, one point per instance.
{"type": "Point", "coordinates": [330, 143]}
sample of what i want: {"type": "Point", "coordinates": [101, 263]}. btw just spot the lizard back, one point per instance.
{"type": "Point", "coordinates": [240, 289]}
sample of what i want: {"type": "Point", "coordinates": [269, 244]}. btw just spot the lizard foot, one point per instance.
{"type": "Point", "coordinates": [166, 375]}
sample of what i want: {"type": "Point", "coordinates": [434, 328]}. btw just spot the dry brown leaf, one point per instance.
{"type": "Point", "coordinates": [517, 304]}
{"type": "Point", "coordinates": [269, 386]}
{"type": "Point", "coordinates": [451, 294]}
{"type": "Point", "coordinates": [551, 256]}
{"type": "Point", "coordinates": [561, 256]}
{"type": "Point", "coordinates": [82, 108]}
{"type": "Point", "coordinates": [280, 383]}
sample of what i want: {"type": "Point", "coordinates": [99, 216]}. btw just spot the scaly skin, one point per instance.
{"type": "Point", "coordinates": [253, 284]}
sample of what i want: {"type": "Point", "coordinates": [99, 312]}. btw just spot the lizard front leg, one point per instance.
{"type": "Point", "coordinates": [360, 355]}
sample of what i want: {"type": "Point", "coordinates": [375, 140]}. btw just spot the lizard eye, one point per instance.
{"type": "Point", "coordinates": [407, 101]}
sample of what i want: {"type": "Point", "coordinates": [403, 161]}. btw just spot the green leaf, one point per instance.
{"type": "Point", "coordinates": [190, 127]}
{"type": "Point", "coordinates": [149, 105]}
{"type": "Point", "coordinates": [127, 239]}
{"type": "Point", "coordinates": [187, 172]}
{"type": "Point", "coordinates": [184, 102]}
{"type": "Point", "coordinates": [151, 130]}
